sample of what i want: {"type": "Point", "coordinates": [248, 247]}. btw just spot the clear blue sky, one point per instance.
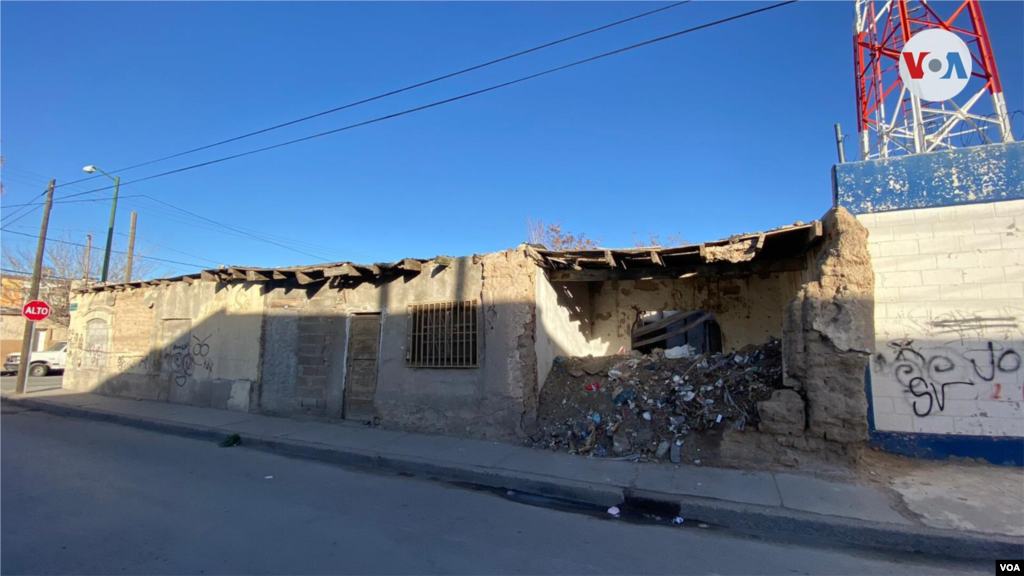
{"type": "Point", "coordinates": [719, 132]}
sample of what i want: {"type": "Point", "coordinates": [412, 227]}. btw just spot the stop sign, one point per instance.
{"type": "Point", "coordinates": [36, 311]}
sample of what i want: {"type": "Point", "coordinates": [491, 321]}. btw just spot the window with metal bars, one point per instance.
{"type": "Point", "coordinates": [443, 335]}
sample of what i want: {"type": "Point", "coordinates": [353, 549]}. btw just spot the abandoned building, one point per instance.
{"type": "Point", "coordinates": [464, 346]}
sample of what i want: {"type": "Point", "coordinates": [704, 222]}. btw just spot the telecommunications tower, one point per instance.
{"type": "Point", "coordinates": [890, 120]}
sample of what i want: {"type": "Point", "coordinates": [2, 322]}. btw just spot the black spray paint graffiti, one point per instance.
{"type": "Point", "coordinates": [182, 358]}
{"type": "Point", "coordinates": [925, 374]}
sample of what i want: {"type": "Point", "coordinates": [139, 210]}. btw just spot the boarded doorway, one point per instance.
{"type": "Point", "coordinates": [363, 349]}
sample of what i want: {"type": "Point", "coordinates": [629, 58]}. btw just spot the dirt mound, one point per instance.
{"type": "Point", "coordinates": [645, 405]}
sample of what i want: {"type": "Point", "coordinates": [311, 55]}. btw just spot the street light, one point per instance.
{"type": "Point", "coordinates": [113, 212]}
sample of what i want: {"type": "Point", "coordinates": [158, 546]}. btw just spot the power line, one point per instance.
{"type": "Point", "coordinates": [260, 238]}
{"type": "Point", "coordinates": [114, 251]}
{"type": "Point", "coordinates": [449, 100]}
{"type": "Point", "coordinates": [181, 218]}
{"type": "Point", "coordinates": [29, 273]}
{"type": "Point", "coordinates": [394, 92]}
{"type": "Point", "coordinates": [74, 201]}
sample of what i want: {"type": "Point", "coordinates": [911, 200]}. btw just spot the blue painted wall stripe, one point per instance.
{"type": "Point", "coordinates": [964, 176]}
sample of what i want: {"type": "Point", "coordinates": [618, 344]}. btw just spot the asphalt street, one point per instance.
{"type": "Point", "coordinates": [85, 497]}
{"type": "Point", "coordinates": [32, 384]}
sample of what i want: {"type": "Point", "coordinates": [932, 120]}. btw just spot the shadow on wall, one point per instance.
{"type": "Point", "coordinates": [326, 350]}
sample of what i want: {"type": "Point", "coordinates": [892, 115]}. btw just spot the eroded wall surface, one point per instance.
{"type": "Point", "coordinates": [193, 344]}
{"type": "Point", "coordinates": [306, 338]}
{"type": "Point", "coordinates": [828, 333]}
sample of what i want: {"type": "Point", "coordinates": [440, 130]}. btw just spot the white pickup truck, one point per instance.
{"type": "Point", "coordinates": [40, 363]}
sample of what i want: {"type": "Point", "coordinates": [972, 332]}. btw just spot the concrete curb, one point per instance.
{"type": "Point", "coordinates": [764, 521]}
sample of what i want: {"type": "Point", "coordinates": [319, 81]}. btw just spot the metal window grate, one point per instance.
{"type": "Point", "coordinates": [443, 335]}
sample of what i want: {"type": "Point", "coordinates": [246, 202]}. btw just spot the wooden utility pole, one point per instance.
{"type": "Point", "coordinates": [88, 256]}
{"type": "Point", "coordinates": [131, 249]}
{"type": "Point", "coordinates": [37, 272]}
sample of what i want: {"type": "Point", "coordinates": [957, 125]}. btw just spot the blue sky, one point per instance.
{"type": "Point", "coordinates": [719, 132]}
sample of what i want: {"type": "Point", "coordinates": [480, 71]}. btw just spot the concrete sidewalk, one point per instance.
{"type": "Point", "coordinates": [776, 504]}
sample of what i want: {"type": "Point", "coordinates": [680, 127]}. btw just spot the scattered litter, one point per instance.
{"type": "Point", "coordinates": [614, 511]}
{"type": "Point", "coordinates": [643, 400]}
{"type": "Point", "coordinates": [702, 525]}
{"type": "Point", "coordinates": [697, 462]}
{"type": "Point", "coordinates": [510, 493]}
{"type": "Point", "coordinates": [268, 477]}
{"type": "Point", "coordinates": [230, 441]}
{"type": "Point", "coordinates": [678, 520]}
{"type": "Point", "coordinates": [684, 351]}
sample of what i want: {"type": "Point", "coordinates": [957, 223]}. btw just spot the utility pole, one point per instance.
{"type": "Point", "coordinates": [839, 144]}
{"type": "Point", "coordinates": [110, 230]}
{"type": "Point", "coordinates": [37, 272]}
{"type": "Point", "coordinates": [131, 249]}
{"type": "Point", "coordinates": [88, 256]}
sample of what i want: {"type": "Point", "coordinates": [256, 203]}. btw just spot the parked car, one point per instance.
{"type": "Point", "coordinates": [40, 363]}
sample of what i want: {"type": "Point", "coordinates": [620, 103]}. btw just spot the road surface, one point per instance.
{"type": "Point", "coordinates": [92, 497]}
{"type": "Point", "coordinates": [32, 384]}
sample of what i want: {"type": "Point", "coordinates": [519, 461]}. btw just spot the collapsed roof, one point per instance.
{"type": "Point", "coordinates": [777, 250]}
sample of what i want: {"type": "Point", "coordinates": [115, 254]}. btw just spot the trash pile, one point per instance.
{"type": "Point", "coordinates": [643, 406]}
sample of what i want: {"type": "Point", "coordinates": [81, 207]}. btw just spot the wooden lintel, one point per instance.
{"type": "Point", "coordinates": [236, 274]}
{"type": "Point", "coordinates": [256, 276]}
{"type": "Point", "coordinates": [208, 276]}
{"type": "Point", "coordinates": [278, 275]}
{"type": "Point", "coordinates": [815, 231]}
{"type": "Point", "coordinates": [656, 258]}
{"type": "Point", "coordinates": [304, 278]}
{"type": "Point", "coordinates": [759, 244]}
{"type": "Point", "coordinates": [371, 269]}
{"type": "Point", "coordinates": [188, 279]}
{"type": "Point", "coordinates": [410, 264]}
{"type": "Point", "coordinates": [345, 269]}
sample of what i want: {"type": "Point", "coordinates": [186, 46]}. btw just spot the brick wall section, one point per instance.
{"type": "Point", "coordinates": [949, 319]}
{"type": "Point", "coordinates": [313, 364]}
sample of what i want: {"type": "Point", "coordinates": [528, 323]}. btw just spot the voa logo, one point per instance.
{"type": "Point", "coordinates": [1008, 567]}
{"type": "Point", "coordinates": [935, 65]}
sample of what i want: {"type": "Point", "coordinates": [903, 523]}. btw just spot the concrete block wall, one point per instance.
{"type": "Point", "coordinates": [947, 247]}
{"type": "Point", "coordinates": [949, 319]}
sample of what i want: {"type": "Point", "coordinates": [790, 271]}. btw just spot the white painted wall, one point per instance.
{"type": "Point", "coordinates": [949, 319]}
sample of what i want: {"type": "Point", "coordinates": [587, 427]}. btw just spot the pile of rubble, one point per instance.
{"type": "Point", "coordinates": [645, 405]}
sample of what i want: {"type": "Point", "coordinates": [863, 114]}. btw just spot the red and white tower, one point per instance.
{"type": "Point", "coordinates": [892, 121]}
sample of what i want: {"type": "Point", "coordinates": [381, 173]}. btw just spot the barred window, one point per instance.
{"type": "Point", "coordinates": [443, 335]}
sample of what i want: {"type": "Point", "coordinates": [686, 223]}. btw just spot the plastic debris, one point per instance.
{"type": "Point", "coordinates": [268, 477]}
{"type": "Point", "coordinates": [646, 399]}
{"type": "Point", "coordinates": [596, 418]}
{"type": "Point", "coordinates": [678, 520]}
{"type": "Point", "coordinates": [614, 511]}
{"type": "Point", "coordinates": [684, 351]}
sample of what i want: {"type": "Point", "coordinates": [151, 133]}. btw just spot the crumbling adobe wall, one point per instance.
{"type": "Point", "coordinates": [510, 386]}
{"type": "Point", "coordinates": [829, 332]}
